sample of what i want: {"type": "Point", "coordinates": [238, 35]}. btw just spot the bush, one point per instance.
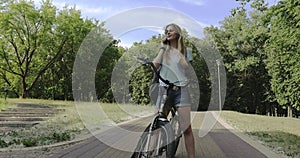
{"type": "Point", "coordinates": [3, 144]}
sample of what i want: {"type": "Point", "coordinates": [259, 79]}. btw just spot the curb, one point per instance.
{"type": "Point", "coordinates": [47, 146]}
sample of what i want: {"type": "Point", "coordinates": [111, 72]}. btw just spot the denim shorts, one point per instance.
{"type": "Point", "coordinates": [170, 97]}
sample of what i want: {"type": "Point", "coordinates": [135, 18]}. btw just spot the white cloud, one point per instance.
{"type": "Point", "coordinates": [271, 2]}
{"type": "Point", "coordinates": [95, 11]}
{"type": "Point", "coordinates": [84, 8]}
{"type": "Point", "coordinates": [125, 23]}
{"type": "Point", "coordinates": [194, 2]}
{"type": "Point", "coordinates": [99, 12]}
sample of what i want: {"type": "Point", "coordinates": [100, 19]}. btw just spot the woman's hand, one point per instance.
{"type": "Point", "coordinates": [182, 61]}
{"type": "Point", "coordinates": [164, 43]}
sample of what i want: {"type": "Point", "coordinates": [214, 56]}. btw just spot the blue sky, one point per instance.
{"type": "Point", "coordinates": [208, 12]}
{"type": "Point", "coordinates": [204, 12]}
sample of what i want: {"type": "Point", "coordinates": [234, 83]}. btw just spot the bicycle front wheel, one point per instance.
{"type": "Point", "coordinates": [159, 143]}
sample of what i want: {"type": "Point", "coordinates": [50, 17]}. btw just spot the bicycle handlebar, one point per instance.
{"type": "Point", "coordinates": [146, 61]}
{"type": "Point", "coordinates": [143, 59]}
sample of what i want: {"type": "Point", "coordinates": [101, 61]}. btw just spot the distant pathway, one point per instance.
{"type": "Point", "coordinates": [218, 143]}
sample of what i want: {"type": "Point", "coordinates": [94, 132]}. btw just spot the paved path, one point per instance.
{"type": "Point", "coordinates": [220, 142]}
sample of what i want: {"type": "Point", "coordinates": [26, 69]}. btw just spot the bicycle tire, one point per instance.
{"type": "Point", "coordinates": [166, 150]}
{"type": "Point", "coordinates": [138, 149]}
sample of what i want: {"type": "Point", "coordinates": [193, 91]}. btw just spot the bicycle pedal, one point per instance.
{"type": "Point", "coordinates": [161, 150]}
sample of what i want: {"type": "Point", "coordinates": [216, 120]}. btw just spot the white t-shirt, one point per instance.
{"type": "Point", "coordinates": [172, 71]}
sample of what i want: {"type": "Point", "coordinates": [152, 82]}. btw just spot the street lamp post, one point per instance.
{"type": "Point", "coordinates": [219, 83]}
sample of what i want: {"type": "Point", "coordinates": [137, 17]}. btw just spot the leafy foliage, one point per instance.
{"type": "Point", "coordinates": [283, 53]}
{"type": "Point", "coordinates": [261, 52]}
{"type": "Point", "coordinates": [39, 46]}
{"type": "Point", "coordinates": [240, 40]}
{"type": "Point", "coordinates": [141, 76]}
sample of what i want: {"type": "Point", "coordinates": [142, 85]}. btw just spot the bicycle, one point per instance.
{"type": "Point", "coordinates": [164, 131]}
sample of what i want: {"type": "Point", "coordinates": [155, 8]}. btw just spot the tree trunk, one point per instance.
{"type": "Point", "coordinates": [23, 87]}
{"type": "Point", "coordinates": [290, 111]}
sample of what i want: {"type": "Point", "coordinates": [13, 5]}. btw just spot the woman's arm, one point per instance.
{"type": "Point", "coordinates": [158, 59]}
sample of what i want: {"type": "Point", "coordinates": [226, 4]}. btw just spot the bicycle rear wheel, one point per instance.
{"type": "Point", "coordinates": [163, 146]}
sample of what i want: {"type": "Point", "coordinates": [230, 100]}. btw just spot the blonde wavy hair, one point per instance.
{"type": "Point", "coordinates": [180, 43]}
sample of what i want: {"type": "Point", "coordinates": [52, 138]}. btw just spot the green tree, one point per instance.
{"type": "Point", "coordinates": [23, 30]}
{"type": "Point", "coordinates": [240, 39]}
{"type": "Point", "coordinates": [39, 46]}
{"type": "Point", "coordinates": [202, 54]}
{"type": "Point", "coordinates": [140, 79]}
{"type": "Point", "coordinates": [95, 47]}
{"type": "Point", "coordinates": [283, 53]}
{"type": "Point", "coordinates": [105, 67]}
{"type": "Point", "coordinates": [56, 82]}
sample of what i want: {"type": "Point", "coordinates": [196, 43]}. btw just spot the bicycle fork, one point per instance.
{"type": "Point", "coordinates": [149, 136]}
{"type": "Point", "coordinates": [155, 137]}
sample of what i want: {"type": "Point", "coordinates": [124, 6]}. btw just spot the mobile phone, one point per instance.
{"type": "Point", "coordinates": [166, 41]}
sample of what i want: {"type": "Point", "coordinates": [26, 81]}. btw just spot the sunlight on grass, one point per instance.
{"type": "Point", "coordinates": [252, 123]}
{"type": "Point", "coordinates": [282, 134]}
{"type": "Point", "coordinates": [5, 104]}
{"type": "Point", "coordinates": [287, 143]}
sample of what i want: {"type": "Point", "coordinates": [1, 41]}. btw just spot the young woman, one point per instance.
{"type": "Point", "coordinates": [173, 62]}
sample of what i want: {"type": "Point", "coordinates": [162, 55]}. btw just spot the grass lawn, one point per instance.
{"type": "Point", "coordinates": [67, 125]}
{"type": "Point", "coordinates": [279, 133]}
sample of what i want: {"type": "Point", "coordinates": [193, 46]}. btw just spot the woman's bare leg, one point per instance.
{"type": "Point", "coordinates": [185, 125]}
